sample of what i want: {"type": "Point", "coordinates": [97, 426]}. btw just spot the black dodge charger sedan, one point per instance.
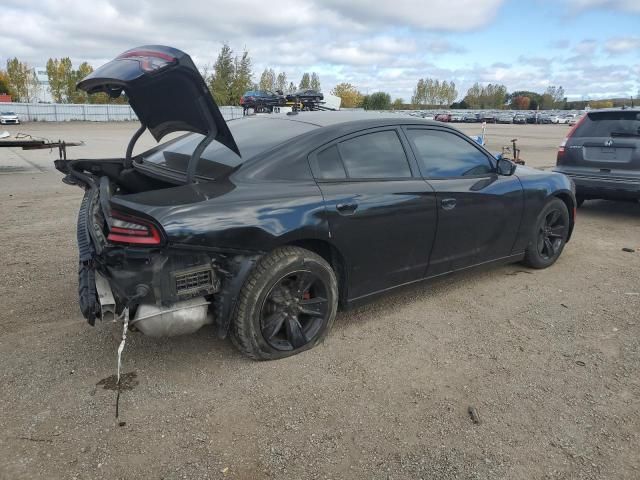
{"type": "Point", "coordinates": [265, 226]}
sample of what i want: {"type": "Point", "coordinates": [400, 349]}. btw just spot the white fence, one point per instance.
{"type": "Point", "coordinates": [64, 112]}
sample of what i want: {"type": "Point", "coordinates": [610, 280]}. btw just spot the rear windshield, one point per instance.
{"type": "Point", "coordinates": [607, 124]}
{"type": "Point", "coordinates": [253, 135]}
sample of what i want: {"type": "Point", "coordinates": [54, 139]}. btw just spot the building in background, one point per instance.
{"type": "Point", "coordinates": [43, 93]}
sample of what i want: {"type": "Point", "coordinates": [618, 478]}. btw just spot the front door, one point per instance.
{"type": "Point", "coordinates": [479, 211]}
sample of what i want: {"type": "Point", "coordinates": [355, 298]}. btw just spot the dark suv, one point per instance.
{"type": "Point", "coordinates": [262, 100]}
{"type": "Point", "coordinates": [602, 155]}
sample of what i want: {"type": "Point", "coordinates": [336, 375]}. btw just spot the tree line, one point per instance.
{"type": "Point", "coordinates": [231, 75]}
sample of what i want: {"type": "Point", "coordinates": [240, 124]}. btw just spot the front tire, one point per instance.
{"type": "Point", "coordinates": [287, 305]}
{"type": "Point", "coordinates": [549, 235]}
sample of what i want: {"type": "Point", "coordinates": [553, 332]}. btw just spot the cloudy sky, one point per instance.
{"type": "Point", "coordinates": [591, 47]}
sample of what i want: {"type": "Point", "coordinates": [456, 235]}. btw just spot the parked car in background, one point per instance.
{"type": "Point", "coordinates": [544, 118]}
{"type": "Point", "coordinates": [9, 118]}
{"type": "Point", "coordinates": [262, 100]}
{"type": "Point", "coordinates": [504, 118]}
{"type": "Point", "coordinates": [575, 120]}
{"type": "Point", "coordinates": [532, 118]}
{"type": "Point", "coordinates": [428, 116]}
{"type": "Point", "coordinates": [520, 118]}
{"type": "Point", "coordinates": [443, 117]}
{"type": "Point", "coordinates": [470, 118]}
{"type": "Point", "coordinates": [601, 154]}
{"type": "Point", "coordinates": [265, 226]}
{"type": "Point", "coordinates": [488, 117]}
{"type": "Point", "coordinates": [457, 117]}
{"type": "Point", "coordinates": [307, 95]}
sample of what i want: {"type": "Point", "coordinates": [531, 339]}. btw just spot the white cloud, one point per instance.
{"type": "Point", "coordinates": [620, 45]}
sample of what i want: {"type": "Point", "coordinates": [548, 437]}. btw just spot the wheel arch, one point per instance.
{"type": "Point", "coordinates": [570, 202]}
{"type": "Point", "coordinates": [329, 252]}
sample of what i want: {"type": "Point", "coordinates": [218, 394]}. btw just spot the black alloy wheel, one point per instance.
{"type": "Point", "coordinates": [294, 311]}
{"type": "Point", "coordinates": [551, 234]}
{"type": "Point", "coordinates": [287, 304]}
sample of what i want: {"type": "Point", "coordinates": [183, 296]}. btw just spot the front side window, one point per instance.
{"type": "Point", "coordinates": [375, 155]}
{"type": "Point", "coordinates": [445, 155]}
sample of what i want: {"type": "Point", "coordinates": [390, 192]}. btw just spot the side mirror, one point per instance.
{"type": "Point", "coordinates": [506, 167]}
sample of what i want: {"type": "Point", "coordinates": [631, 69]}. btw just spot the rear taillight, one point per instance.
{"type": "Point", "coordinates": [150, 60]}
{"type": "Point", "coordinates": [561, 148]}
{"type": "Point", "coordinates": [132, 230]}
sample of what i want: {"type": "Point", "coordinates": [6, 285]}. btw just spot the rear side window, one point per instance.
{"type": "Point", "coordinates": [609, 124]}
{"type": "Point", "coordinates": [328, 164]}
{"type": "Point", "coordinates": [375, 155]}
{"type": "Point", "coordinates": [445, 155]}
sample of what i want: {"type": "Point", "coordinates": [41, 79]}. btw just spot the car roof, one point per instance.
{"type": "Point", "coordinates": [326, 119]}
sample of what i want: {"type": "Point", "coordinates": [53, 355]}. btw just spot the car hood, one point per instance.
{"type": "Point", "coordinates": [165, 90]}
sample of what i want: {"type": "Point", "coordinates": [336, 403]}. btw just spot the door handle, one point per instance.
{"type": "Point", "coordinates": [448, 203]}
{"type": "Point", "coordinates": [346, 208]}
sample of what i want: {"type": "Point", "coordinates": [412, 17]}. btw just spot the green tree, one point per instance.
{"type": "Point", "coordinates": [242, 77]}
{"type": "Point", "coordinates": [398, 104]}
{"type": "Point", "coordinates": [349, 95]}
{"type": "Point", "coordinates": [379, 101]}
{"type": "Point", "coordinates": [305, 81]}
{"type": "Point", "coordinates": [267, 80]}
{"type": "Point", "coordinates": [314, 83]}
{"type": "Point", "coordinates": [221, 82]}
{"type": "Point", "coordinates": [281, 82]}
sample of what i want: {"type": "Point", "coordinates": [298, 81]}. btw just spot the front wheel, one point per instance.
{"type": "Point", "coordinates": [286, 306]}
{"type": "Point", "coordinates": [548, 236]}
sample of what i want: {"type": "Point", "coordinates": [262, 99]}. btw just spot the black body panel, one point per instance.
{"type": "Point", "coordinates": [398, 231]}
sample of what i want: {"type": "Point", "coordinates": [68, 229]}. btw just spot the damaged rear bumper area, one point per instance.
{"type": "Point", "coordinates": [168, 290]}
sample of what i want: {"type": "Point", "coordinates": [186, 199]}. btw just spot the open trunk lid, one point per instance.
{"type": "Point", "coordinates": [165, 90]}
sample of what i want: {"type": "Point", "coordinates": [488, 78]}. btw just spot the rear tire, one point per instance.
{"type": "Point", "coordinates": [287, 305]}
{"type": "Point", "coordinates": [548, 236]}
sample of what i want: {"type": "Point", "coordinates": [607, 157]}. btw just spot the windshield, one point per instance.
{"type": "Point", "coordinates": [7, 113]}
{"type": "Point", "coordinates": [253, 135]}
{"type": "Point", "coordinates": [606, 124]}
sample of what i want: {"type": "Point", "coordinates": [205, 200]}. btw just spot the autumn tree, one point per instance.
{"type": "Point", "coordinates": [521, 102]}
{"type": "Point", "coordinates": [5, 83]}
{"type": "Point", "coordinates": [22, 80]}
{"type": "Point", "coordinates": [486, 96]}
{"type": "Point", "coordinates": [61, 79]}
{"type": "Point", "coordinates": [291, 88]}
{"type": "Point", "coordinates": [349, 95]}
{"type": "Point", "coordinates": [430, 92]}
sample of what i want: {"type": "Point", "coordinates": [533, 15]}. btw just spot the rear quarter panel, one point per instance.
{"type": "Point", "coordinates": [254, 217]}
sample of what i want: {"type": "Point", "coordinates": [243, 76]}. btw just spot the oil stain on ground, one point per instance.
{"type": "Point", "coordinates": [128, 381]}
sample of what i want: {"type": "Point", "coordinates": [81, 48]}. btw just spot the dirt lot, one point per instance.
{"type": "Point", "coordinates": [550, 359]}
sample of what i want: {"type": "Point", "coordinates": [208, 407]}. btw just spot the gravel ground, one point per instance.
{"type": "Point", "coordinates": [549, 359]}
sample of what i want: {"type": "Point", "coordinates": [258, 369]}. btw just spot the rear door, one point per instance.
{"type": "Point", "coordinates": [479, 211]}
{"type": "Point", "coordinates": [382, 215]}
{"type": "Point", "coordinates": [605, 143]}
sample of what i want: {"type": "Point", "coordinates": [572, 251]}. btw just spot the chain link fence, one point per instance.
{"type": "Point", "coordinates": [65, 112]}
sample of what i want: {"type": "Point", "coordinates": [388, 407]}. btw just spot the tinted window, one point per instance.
{"type": "Point", "coordinates": [328, 164]}
{"type": "Point", "coordinates": [252, 135]}
{"type": "Point", "coordinates": [607, 124]}
{"type": "Point", "coordinates": [443, 154]}
{"type": "Point", "coordinates": [375, 155]}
